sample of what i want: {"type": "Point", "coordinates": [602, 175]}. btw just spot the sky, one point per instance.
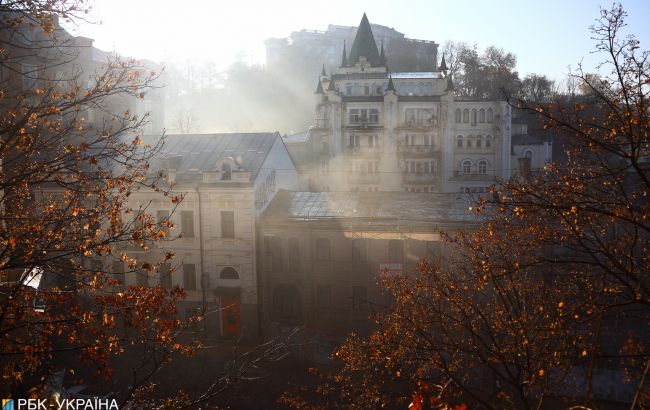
{"type": "Point", "coordinates": [546, 36]}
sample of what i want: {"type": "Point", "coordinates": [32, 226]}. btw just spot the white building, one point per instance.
{"type": "Point", "coordinates": [382, 131]}
{"type": "Point", "coordinates": [227, 181]}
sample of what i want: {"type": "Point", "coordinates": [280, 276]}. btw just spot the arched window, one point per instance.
{"type": "Point", "coordinates": [488, 141]}
{"type": "Point", "coordinates": [474, 116]}
{"type": "Point", "coordinates": [420, 88]}
{"type": "Point", "coordinates": [466, 166]}
{"type": "Point", "coordinates": [481, 115]}
{"type": "Point", "coordinates": [470, 141]}
{"type": "Point", "coordinates": [482, 167]}
{"type": "Point", "coordinates": [226, 172]}
{"type": "Point", "coordinates": [459, 141]}
{"type": "Point", "coordinates": [402, 89]}
{"type": "Point", "coordinates": [429, 89]}
{"type": "Point", "coordinates": [490, 115]}
{"type": "Point", "coordinates": [465, 115]}
{"type": "Point", "coordinates": [457, 115]}
{"type": "Point", "coordinates": [356, 89]}
{"type": "Point", "coordinates": [411, 89]}
{"type": "Point", "coordinates": [229, 273]}
{"type": "Point", "coordinates": [479, 141]}
{"type": "Point", "coordinates": [528, 154]}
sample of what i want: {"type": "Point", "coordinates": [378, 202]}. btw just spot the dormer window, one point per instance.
{"type": "Point", "coordinates": [226, 172]}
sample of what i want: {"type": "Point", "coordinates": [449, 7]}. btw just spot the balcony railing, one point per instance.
{"type": "Point", "coordinates": [420, 123]}
{"type": "Point", "coordinates": [363, 178]}
{"type": "Point", "coordinates": [363, 149]}
{"type": "Point", "coordinates": [473, 176]}
{"type": "Point", "coordinates": [416, 149]}
{"type": "Point", "coordinates": [419, 178]}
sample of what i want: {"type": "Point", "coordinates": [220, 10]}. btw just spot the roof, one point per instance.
{"type": "Point", "coordinates": [364, 45]}
{"type": "Point", "coordinates": [417, 74]}
{"type": "Point", "coordinates": [374, 208]}
{"type": "Point", "coordinates": [526, 139]}
{"type": "Point", "coordinates": [200, 152]}
{"type": "Point", "coordinates": [296, 138]}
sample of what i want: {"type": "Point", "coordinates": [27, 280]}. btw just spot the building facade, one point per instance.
{"type": "Point", "coordinates": [321, 254]}
{"type": "Point", "coordinates": [378, 130]}
{"type": "Point", "coordinates": [227, 180]}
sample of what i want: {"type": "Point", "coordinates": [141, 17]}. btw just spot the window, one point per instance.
{"type": "Point", "coordinates": [165, 276]}
{"type": "Point", "coordinates": [323, 252]}
{"type": "Point", "coordinates": [356, 89]}
{"type": "Point", "coordinates": [465, 115]}
{"type": "Point", "coordinates": [189, 276]}
{"type": "Point", "coordinates": [294, 255]}
{"type": "Point", "coordinates": [482, 167]}
{"type": "Point", "coordinates": [466, 166]}
{"type": "Point", "coordinates": [373, 140]}
{"type": "Point", "coordinates": [459, 141]}
{"type": "Point", "coordinates": [420, 88]}
{"type": "Point", "coordinates": [418, 116]}
{"type": "Point", "coordinates": [488, 141]}
{"type": "Point", "coordinates": [353, 140]}
{"type": "Point", "coordinates": [528, 154]}
{"type": "Point", "coordinates": [481, 115]}
{"type": "Point", "coordinates": [324, 296]}
{"type": "Point", "coordinates": [286, 303]}
{"type": "Point", "coordinates": [118, 271]}
{"type": "Point", "coordinates": [479, 141]}
{"type": "Point", "coordinates": [229, 274]}
{"type": "Point", "coordinates": [358, 250]}
{"type": "Point", "coordinates": [366, 89]}
{"type": "Point", "coordinates": [162, 216]}
{"type": "Point", "coordinates": [490, 115]}
{"type": "Point", "coordinates": [359, 297]}
{"type": "Point", "coordinates": [524, 167]}
{"type": "Point", "coordinates": [470, 140]}
{"type": "Point", "coordinates": [432, 167]}
{"type": "Point", "coordinates": [226, 172]}
{"type": "Point", "coordinates": [187, 224]}
{"type": "Point", "coordinates": [348, 89]}
{"type": "Point", "coordinates": [227, 224]}
{"type": "Point", "coordinates": [395, 251]}
{"type": "Point", "coordinates": [30, 77]}
{"type": "Point", "coordinates": [363, 116]}
{"type": "Point", "coordinates": [457, 115]}
{"type": "Point", "coordinates": [474, 116]}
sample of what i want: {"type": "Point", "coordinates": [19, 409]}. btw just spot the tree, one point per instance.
{"type": "Point", "coordinates": [536, 88]}
{"type": "Point", "coordinates": [551, 291]}
{"type": "Point", "coordinates": [71, 155]}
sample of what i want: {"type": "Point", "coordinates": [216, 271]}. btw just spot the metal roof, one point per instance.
{"type": "Point", "coordinates": [200, 152]}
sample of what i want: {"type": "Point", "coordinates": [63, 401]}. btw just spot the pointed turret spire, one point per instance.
{"type": "Point", "coordinates": [450, 84]}
{"type": "Point", "coordinates": [331, 86]}
{"type": "Point", "coordinates": [382, 55]}
{"type": "Point", "coordinates": [319, 88]}
{"type": "Point", "coordinates": [364, 45]}
{"type": "Point", "coordinates": [344, 58]}
{"type": "Point", "coordinates": [391, 86]}
{"type": "Point", "coordinates": [443, 65]}
{"type": "Point", "coordinates": [323, 73]}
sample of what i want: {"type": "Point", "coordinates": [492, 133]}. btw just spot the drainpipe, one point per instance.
{"type": "Point", "coordinates": [203, 278]}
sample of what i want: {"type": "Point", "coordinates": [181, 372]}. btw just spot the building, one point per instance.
{"type": "Point", "coordinates": [227, 181]}
{"type": "Point", "coordinates": [321, 253]}
{"type": "Point", "coordinates": [378, 130]}
{"type": "Point", "coordinates": [406, 53]}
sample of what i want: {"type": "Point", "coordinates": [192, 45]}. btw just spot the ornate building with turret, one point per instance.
{"type": "Point", "coordinates": [378, 130]}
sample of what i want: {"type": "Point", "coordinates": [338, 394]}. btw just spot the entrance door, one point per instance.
{"type": "Point", "coordinates": [230, 315]}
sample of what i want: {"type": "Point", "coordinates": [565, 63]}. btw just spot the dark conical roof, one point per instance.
{"type": "Point", "coordinates": [319, 88]}
{"type": "Point", "coordinates": [391, 86]}
{"type": "Point", "coordinates": [344, 58]}
{"type": "Point", "coordinates": [364, 45]}
{"type": "Point", "coordinates": [382, 54]}
{"type": "Point", "coordinates": [323, 73]}
{"type": "Point", "coordinates": [443, 64]}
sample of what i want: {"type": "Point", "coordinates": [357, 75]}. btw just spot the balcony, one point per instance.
{"type": "Point", "coordinates": [420, 123]}
{"type": "Point", "coordinates": [416, 150]}
{"type": "Point", "coordinates": [363, 150]}
{"type": "Point", "coordinates": [363, 178]}
{"type": "Point", "coordinates": [419, 178]}
{"type": "Point", "coordinates": [472, 176]}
